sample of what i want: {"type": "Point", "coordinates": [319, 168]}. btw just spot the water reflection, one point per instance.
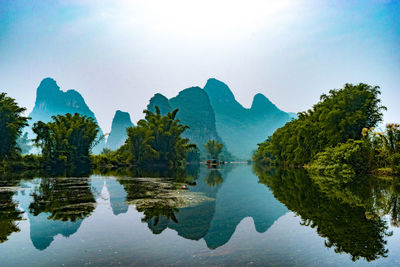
{"type": "Point", "coordinates": [56, 206]}
{"type": "Point", "coordinates": [63, 199]}
{"type": "Point", "coordinates": [231, 197]}
{"type": "Point", "coordinates": [352, 218]}
{"type": "Point", "coordinates": [238, 197]}
{"type": "Point", "coordinates": [9, 212]}
{"type": "Point", "coordinates": [190, 222]}
{"type": "Point", "coordinates": [214, 177]}
{"type": "Point", "coordinates": [348, 215]}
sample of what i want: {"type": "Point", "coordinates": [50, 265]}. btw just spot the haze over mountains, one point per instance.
{"type": "Point", "coordinates": [211, 113]}
{"type": "Point", "coordinates": [117, 137]}
{"type": "Point", "coordinates": [194, 110]}
{"type": "Point", "coordinates": [241, 128]}
{"type": "Point", "coordinates": [51, 101]}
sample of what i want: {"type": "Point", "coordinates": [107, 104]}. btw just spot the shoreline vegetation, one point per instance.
{"type": "Point", "coordinates": [337, 137]}
{"type": "Point", "coordinates": [65, 144]}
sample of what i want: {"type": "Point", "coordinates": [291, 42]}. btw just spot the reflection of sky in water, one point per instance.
{"type": "Point", "coordinates": [245, 224]}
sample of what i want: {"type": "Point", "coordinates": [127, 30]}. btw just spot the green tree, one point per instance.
{"type": "Point", "coordinates": [374, 152]}
{"type": "Point", "coordinates": [345, 160]}
{"type": "Point", "coordinates": [67, 140]}
{"type": "Point", "coordinates": [11, 124]}
{"type": "Point", "coordinates": [213, 148]}
{"type": "Point", "coordinates": [157, 140]}
{"type": "Point", "coordinates": [339, 116]}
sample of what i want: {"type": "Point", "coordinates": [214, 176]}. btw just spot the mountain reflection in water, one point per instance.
{"type": "Point", "coordinates": [354, 219]}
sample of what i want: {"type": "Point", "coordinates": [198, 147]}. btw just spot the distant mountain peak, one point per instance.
{"type": "Point", "coordinates": [191, 89]}
{"type": "Point", "coordinates": [262, 104]}
{"type": "Point", "coordinates": [121, 117]}
{"type": "Point", "coordinates": [194, 91]}
{"type": "Point", "coordinates": [195, 111]}
{"type": "Point", "coordinates": [47, 87]}
{"type": "Point", "coordinates": [160, 101]}
{"type": "Point", "coordinates": [51, 100]}
{"type": "Point", "coordinates": [217, 89]}
{"type": "Point", "coordinates": [117, 137]}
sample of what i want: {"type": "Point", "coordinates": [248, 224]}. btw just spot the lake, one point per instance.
{"type": "Point", "coordinates": [235, 215]}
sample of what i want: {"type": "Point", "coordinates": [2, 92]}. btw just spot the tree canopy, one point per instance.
{"type": "Point", "coordinates": [67, 140]}
{"type": "Point", "coordinates": [11, 124]}
{"type": "Point", "coordinates": [213, 148]}
{"type": "Point", "coordinates": [337, 117]}
{"type": "Point", "coordinates": [156, 140]}
{"type": "Point", "coordinates": [375, 151]}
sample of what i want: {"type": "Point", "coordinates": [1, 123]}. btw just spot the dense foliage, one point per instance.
{"type": "Point", "coordinates": [339, 116]}
{"type": "Point", "coordinates": [156, 140]}
{"type": "Point", "coordinates": [213, 149]}
{"type": "Point", "coordinates": [375, 152]}
{"type": "Point", "coordinates": [11, 124]}
{"type": "Point", "coordinates": [66, 141]}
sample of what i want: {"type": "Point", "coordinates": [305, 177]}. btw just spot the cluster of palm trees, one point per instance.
{"type": "Point", "coordinates": [66, 141]}
{"type": "Point", "coordinates": [157, 140]}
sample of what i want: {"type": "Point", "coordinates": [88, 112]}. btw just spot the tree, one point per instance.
{"type": "Point", "coordinates": [344, 160]}
{"type": "Point", "coordinates": [11, 124]}
{"type": "Point", "coordinates": [157, 140]}
{"type": "Point", "coordinates": [213, 148]}
{"type": "Point", "coordinates": [67, 140]}
{"type": "Point", "coordinates": [339, 116]}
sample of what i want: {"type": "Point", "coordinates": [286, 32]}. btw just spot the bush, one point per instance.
{"type": "Point", "coordinates": [351, 158]}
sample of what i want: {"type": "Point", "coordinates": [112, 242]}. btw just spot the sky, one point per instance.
{"type": "Point", "coordinates": [119, 53]}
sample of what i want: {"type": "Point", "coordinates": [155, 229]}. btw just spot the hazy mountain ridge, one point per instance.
{"type": "Point", "coordinates": [51, 101]}
{"type": "Point", "coordinates": [118, 135]}
{"type": "Point", "coordinates": [195, 111]}
{"type": "Point", "coordinates": [211, 113]}
{"type": "Point", "coordinates": [241, 128]}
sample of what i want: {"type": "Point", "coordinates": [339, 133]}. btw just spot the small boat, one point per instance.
{"type": "Point", "coordinates": [212, 163]}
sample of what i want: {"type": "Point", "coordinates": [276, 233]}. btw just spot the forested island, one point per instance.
{"type": "Point", "coordinates": [337, 137]}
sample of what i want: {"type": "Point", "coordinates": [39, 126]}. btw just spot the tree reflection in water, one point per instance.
{"type": "Point", "coordinates": [65, 199]}
{"type": "Point", "coordinates": [156, 196]}
{"type": "Point", "coordinates": [9, 212]}
{"type": "Point", "coordinates": [214, 178]}
{"type": "Point", "coordinates": [345, 214]}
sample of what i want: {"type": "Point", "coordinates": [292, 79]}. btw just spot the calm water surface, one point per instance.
{"type": "Point", "coordinates": [230, 216]}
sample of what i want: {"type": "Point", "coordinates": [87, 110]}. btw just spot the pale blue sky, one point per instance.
{"type": "Point", "coordinates": [117, 54]}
